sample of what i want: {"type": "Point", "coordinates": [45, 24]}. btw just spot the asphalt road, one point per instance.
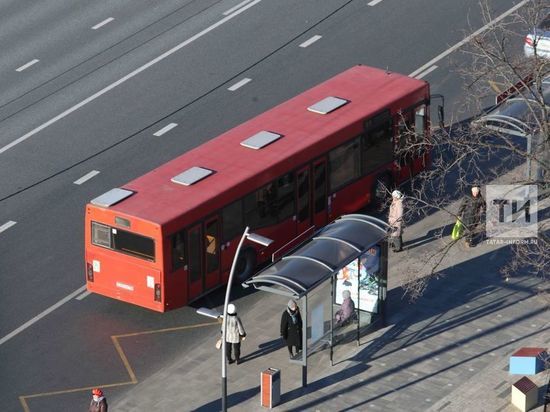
{"type": "Point", "coordinates": [107, 76]}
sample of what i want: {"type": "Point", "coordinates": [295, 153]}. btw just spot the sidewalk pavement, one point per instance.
{"type": "Point", "coordinates": [448, 351]}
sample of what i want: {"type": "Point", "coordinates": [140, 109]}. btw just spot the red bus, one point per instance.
{"type": "Point", "coordinates": [170, 236]}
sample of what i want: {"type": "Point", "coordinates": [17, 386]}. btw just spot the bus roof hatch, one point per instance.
{"type": "Point", "coordinates": [327, 105]}
{"type": "Point", "coordinates": [111, 197]}
{"type": "Point", "coordinates": [192, 176]}
{"type": "Point", "coordinates": [261, 140]}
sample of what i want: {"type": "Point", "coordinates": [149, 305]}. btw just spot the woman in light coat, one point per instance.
{"type": "Point", "coordinates": [235, 333]}
{"type": "Point", "coordinates": [395, 220]}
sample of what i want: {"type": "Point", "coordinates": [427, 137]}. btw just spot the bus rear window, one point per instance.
{"type": "Point", "coordinates": [123, 241]}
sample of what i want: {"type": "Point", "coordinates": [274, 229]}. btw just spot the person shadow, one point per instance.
{"type": "Point", "coordinates": [264, 349]}
{"type": "Point", "coordinates": [432, 234]}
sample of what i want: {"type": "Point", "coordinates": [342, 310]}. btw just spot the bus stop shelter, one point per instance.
{"type": "Point", "coordinates": [348, 257]}
{"type": "Point", "coordinates": [520, 114]}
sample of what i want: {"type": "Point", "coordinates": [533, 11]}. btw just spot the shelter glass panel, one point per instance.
{"type": "Point", "coordinates": [319, 315]}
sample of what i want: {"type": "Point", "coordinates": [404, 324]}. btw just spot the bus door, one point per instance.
{"type": "Point", "coordinates": [212, 252]}
{"type": "Point", "coordinates": [303, 200]}
{"type": "Point", "coordinates": [320, 193]}
{"type": "Point", "coordinates": [194, 271]}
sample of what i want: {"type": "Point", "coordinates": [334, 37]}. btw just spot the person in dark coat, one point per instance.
{"type": "Point", "coordinates": [470, 214]}
{"type": "Point", "coordinates": [99, 402]}
{"type": "Point", "coordinates": [291, 328]}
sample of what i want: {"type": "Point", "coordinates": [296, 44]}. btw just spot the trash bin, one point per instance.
{"type": "Point", "coordinates": [270, 387]}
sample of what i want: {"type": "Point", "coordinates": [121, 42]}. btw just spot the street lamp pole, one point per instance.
{"type": "Point", "coordinates": [256, 239]}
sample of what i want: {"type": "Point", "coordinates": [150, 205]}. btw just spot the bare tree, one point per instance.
{"type": "Point", "coordinates": [479, 150]}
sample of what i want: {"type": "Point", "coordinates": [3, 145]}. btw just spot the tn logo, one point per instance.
{"type": "Point", "coordinates": [504, 206]}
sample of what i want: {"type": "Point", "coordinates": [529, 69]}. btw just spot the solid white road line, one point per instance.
{"type": "Point", "coordinates": [467, 39]}
{"type": "Point", "coordinates": [128, 76]}
{"type": "Point", "coordinates": [238, 6]}
{"type": "Point", "coordinates": [86, 177]}
{"type": "Point", "coordinates": [239, 84]}
{"type": "Point", "coordinates": [374, 2]}
{"type": "Point", "coordinates": [40, 316]}
{"type": "Point", "coordinates": [165, 129]}
{"type": "Point", "coordinates": [310, 41]}
{"type": "Point", "coordinates": [27, 65]}
{"type": "Point", "coordinates": [85, 294]}
{"type": "Point", "coordinates": [7, 225]}
{"type": "Point", "coordinates": [103, 23]}
{"type": "Point", "coordinates": [426, 72]}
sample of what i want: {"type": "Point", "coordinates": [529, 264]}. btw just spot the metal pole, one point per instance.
{"type": "Point", "coordinates": [224, 329]}
{"type": "Point", "coordinates": [529, 154]}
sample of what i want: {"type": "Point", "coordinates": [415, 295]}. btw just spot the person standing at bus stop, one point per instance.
{"type": "Point", "coordinates": [98, 402]}
{"type": "Point", "coordinates": [395, 221]}
{"type": "Point", "coordinates": [234, 335]}
{"type": "Point", "coordinates": [291, 328]}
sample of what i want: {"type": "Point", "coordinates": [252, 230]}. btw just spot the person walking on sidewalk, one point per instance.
{"type": "Point", "coordinates": [234, 335]}
{"type": "Point", "coordinates": [291, 328]}
{"type": "Point", "coordinates": [469, 214]}
{"type": "Point", "coordinates": [99, 402]}
{"type": "Point", "coordinates": [395, 221]}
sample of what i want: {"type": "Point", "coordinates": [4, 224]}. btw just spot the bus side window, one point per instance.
{"type": "Point", "coordinates": [232, 221]}
{"type": "Point", "coordinates": [344, 164]}
{"type": "Point", "coordinates": [285, 196]}
{"type": "Point", "coordinates": [377, 143]}
{"type": "Point", "coordinates": [178, 250]}
{"type": "Point", "coordinates": [260, 207]}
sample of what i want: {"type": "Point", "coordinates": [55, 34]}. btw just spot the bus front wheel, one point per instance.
{"type": "Point", "coordinates": [246, 263]}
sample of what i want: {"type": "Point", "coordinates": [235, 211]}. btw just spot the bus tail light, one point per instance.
{"type": "Point", "coordinates": [157, 292]}
{"type": "Point", "coordinates": [89, 272]}
{"type": "Point", "coordinates": [529, 41]}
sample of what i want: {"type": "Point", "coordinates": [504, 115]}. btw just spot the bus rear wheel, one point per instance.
{"type": "Point", "coordinates": [246, 263]}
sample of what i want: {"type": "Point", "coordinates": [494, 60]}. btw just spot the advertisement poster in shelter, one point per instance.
{"type": "Point", "coordinates": [361, 277]}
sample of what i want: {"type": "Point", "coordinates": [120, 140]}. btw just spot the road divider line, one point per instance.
{"type": "Point", "coordinates": [7, 225]}
{"type": "Point", "coordinates": [86, 177]}
{"type": "Point", "coordinates": [165, 129]}
{"type": "Point", "coordinates": [128, 76]}
{"type": "Point", "coordinates": [84, 295]}
{"type": "Point", "coordinates": [103, 23]}
{"type": "Point", "coordinates": [310, 41]}
{"type": "Point", "coordinates": [426, 72]}
{"type": "Point", "coordinates": [41, 315]}
{"type": "Point", "coordinates": [238, 6]}
{"type": "Point", "coordinates": [239, 84]}
{"type": "Point", "coordinates": [27, 65]}
{"type": "Point", "coordinates": [468, 38]}
{"type": "Point", "coordinates": [374, 2]}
